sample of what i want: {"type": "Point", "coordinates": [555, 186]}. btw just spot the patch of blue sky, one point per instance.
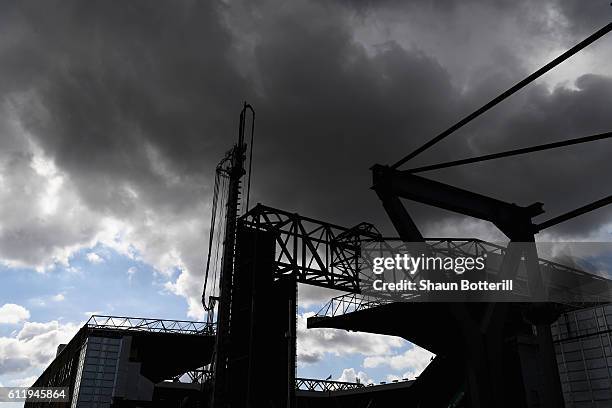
{"type": "Point", "coordinates": [101, 284]}
{"type": "Point", "coordinates": [104, 286]}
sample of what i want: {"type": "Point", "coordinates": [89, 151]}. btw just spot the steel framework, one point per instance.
{"type": "Point", "coordinates": [202, 376]}
{"type": "Point", "coordinates": [199, 376]}
{"type": "Point", "coordinates": [566, 285]}
{"type": "Point", "coordinates": [348, 303]}
{"type": "Point", "coordinates": [309, 384]}
{"type": "Point", "coordinates": [315, 252]}
{"type": "Point", "coordinates": [150, 325]}
{"type": "Point", "coordinates": [573, 291]}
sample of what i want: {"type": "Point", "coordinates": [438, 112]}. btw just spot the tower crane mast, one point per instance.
{"type": "Point", "coordinates": [235, 173]}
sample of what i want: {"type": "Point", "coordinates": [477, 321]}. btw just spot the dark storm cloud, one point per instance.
{"type": "Point", "coordinates": [582, 14]}
{"type": "Point", "coordinates": [338, 116]}
{"type": "Point", "coordinates": [337, 111]}
{"type": "Point", "coordinates": [111, 80]}
{"type": "Point", "coordinates": [119, 88]}
{"type": "Point", "coordinates": [562, 179]}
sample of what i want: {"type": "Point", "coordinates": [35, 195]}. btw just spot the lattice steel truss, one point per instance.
{"type": "Point", "coordinates": [572, 290]}
{"type": "Point", "coordinates": [315, 252]}
{"type": "Point", "coordinates": [150, 325]}
{"type": "Point", "coordinates": [199, 376]}
{"type": "Point", "coordinates": [335, 257]}
{"type": "Point", "coordinates": [308, 384]}
{"type": "Point", "coordinates": [202, 376]}
{"type": "Point", "coordinates": [350, 302]}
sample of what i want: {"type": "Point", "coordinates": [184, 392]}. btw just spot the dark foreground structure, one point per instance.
{"type": "Point", "coordinates": [134, 362]}
{"type": "Point", "coordinates": [537, 352]}
{"type": "Point", "coordinates": [130, 362]}
{"type": "Point", "coordinates": [137, 362]}
{"type": "Point", "coordinates": [583, 344]}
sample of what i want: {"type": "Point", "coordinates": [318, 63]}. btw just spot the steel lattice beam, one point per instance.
{"type": "Point", "coordinates": [458, 247]}
{"type": "Point", "coordinates": [315, 252]}
{"type": "Point", "coordinates": [309, 384]}
{"type": "Point", "coordinates": [150, 325]}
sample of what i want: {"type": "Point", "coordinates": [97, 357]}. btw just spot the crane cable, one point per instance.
{"type": "Point", "coordinates": [220, 177]}
{"type": "Point", "coordinates": [219, 230]}
{"type": "Point", "coordinates": [514, 152]}
{"type": "Point", "coordinates": [218, 214]}
{"type": "Point", "coordinates": [211, 236]}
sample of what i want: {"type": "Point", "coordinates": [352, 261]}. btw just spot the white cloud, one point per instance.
{"type": "Point", "coordinates": [23, 382]}
{"type": "Point", "coordinates": [44, 219]}
{"type": "Point", "coordinates": [408, 375]}
{"type": "Point", "coordinates": [350, 375]}
{"type": "Point", "coordinates": [465, 227]}
{"type": "Point", "coordinates": [11, 313]}
{"type": "Point", "coordinates": [415, 360]}
{"type": "Point", "coordinates": [131, 272]}
{"type": "Point", "coordinates": [38, 302]}
{"type": "Point", "coordinates": [190, 287]}
{"type": "Point", "coordinates": [313, 344]}
{"type": "Point", "coordinates": [34, 346]}
{"type": "Point", "coordinates": [94, 258]}
{"type": "Point", "coordinates": [393, 377]}
{"type": "Point", "coordinates": [44, 301]}
{"type": "Point", "coordinates": [534, 42]}
{"type": "Point", "coordinates": [35, 233]}
{"type": "Point", "coordinates": [309, 295]}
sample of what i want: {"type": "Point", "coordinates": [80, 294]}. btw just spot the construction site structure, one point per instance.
{"type": "Point", "coordinates": [130, 362]}
{"type": "Point", "coordinates": [501, 354]}
{"type": "Point", "coordinates": [487, 354]}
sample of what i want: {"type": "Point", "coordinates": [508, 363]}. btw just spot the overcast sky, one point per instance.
{"type": "Point", "coordinates": [113, 117]}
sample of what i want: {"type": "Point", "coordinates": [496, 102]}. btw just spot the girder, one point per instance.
{"type": "Point", "coordinates": [576, 288]}
{"type": "Point", "coordinates": [315, 252]}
